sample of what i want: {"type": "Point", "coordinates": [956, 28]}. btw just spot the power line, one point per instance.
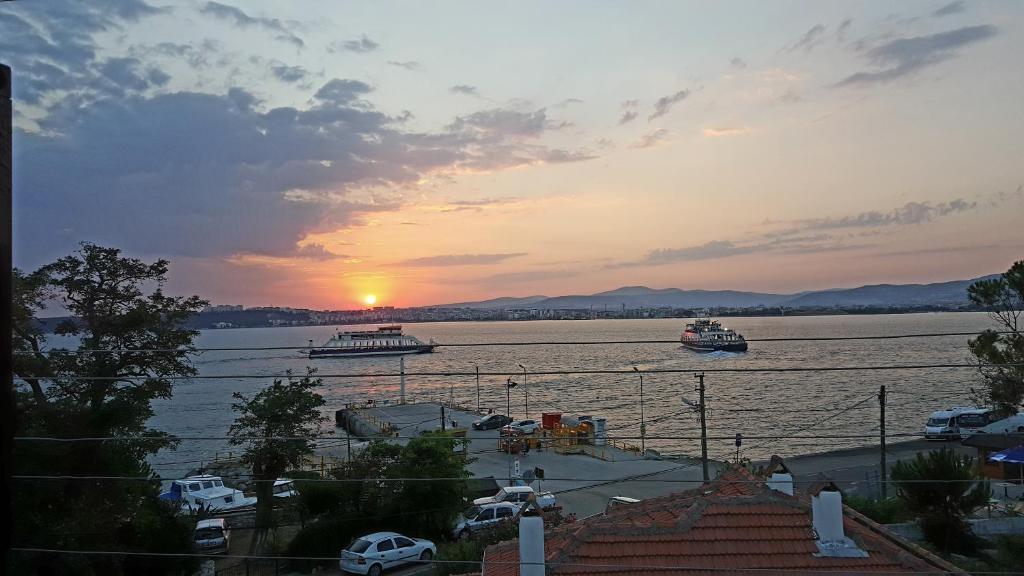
{"type": "Point", "coordinates": [648, 568]}
{"type": "Point", "coordinates": [597, 482]}
{"type": "Point", "coordinates": [506, 344]}
{"type": "Point", "coordinates": [548, 439]}
{"type": "Point", "coordinates": [764, 369]}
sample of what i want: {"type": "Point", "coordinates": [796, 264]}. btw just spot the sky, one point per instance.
{"type": "Point", "coordinates": [309, 154]}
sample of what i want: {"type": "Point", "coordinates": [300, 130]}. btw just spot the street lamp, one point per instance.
{"type": "Point", "coordinates": [526, 388]}
{"type": "Point", "coordinates": [508, 397]}
{"type": "Point", "coordinates": [643, 427]}
{"type": "Point", "coordinates": [509, 385]}
{"type": "Point", "coordinates": [475, 365]}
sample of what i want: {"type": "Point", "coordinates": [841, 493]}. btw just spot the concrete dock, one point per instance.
{"type": "Point", "coordinates": [582, 483]}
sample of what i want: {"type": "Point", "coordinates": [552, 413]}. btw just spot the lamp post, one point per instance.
{"type": "Point", "coordinates": [508, 397]}
{"type": "Point", "coordinates": [526, 389]}
{"type": "Point", "coordinates": [477, 386]}
{"type": "Point", "coordinates": [509, 385]}
{"type": "Point", "coordinates": [643, 427]}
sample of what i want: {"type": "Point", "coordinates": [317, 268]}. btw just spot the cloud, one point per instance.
{"type": "Point", "coordinates": [408, 65]}
{"type": "Point", "coordinates": [717, 132]}
{"type": "Point", "coordinates": [955, 7]}
{"type": "Point", "coordinates": [902, 57]}
{"type": "Point", "coordinates": [809, 39]}
{"type": "Point", "coordinates": [359, 45]}
{"type": "Point", "coordinates": [651, 139]}
{"type": "Point", "coordinates": [464, 89]}
{"type": "Point", "coordinates": [738, 63]}
{"type": "Point", "coordinates": [665, 104]}
{"type": "Point", "coordinates": [286, 73]}
{"type": "Point", "coordinates": [212, 175]}
{"type": "Point", "coordinates": [461, 259]}
{"type": "Point", "coordinates": [843, 28]}
{"type": "Point", "coordinates": [569, 101]}
{"type": "Point", "coordinates": [244, 20]}
{"type": "Point", "coordinates": [909, 213]}
{"type": "Point", "coordinates": [52, 47]}
{"type": "Point", "coordinates": [627, 116]}
{"type": "Point", "coordinates": [718, 249]}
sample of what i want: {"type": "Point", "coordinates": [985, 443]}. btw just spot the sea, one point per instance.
{"type": "Point", "coordinates": [839, 408]}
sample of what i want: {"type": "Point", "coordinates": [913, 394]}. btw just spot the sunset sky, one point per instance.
{"type": "Point", "coordinates": [311, 153]}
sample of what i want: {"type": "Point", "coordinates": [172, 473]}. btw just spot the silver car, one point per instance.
{"type": "Point", "coordinates": [477, 518]}
{"type": "Point", "coordinates": [374, 553]}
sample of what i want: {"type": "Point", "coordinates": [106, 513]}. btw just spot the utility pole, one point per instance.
{"type": "Point", "coordinates": [6, 293]}
{"type": "Point", "coordinates": [442, 416]}
{"type": "Point", "coordinates": [883, 470]}
{"type": "Point", "coordinates": [703, 427]}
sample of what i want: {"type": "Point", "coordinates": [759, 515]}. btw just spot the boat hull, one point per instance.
{"type": "Point", "coordinates": [716, 346]}
{"type": "Point", "coordinates": [396, 351]}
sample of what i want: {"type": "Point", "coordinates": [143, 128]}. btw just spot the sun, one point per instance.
{"type": "Point", "coordinates": [370, 299]}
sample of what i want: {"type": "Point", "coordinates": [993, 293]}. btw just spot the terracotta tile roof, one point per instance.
{"type": "Point", "coordinates": [722, 526]}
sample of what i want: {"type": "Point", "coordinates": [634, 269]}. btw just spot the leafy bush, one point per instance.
{"type": "Point", "coordinates": [942, 487]}
{"type": "Point", "coordinates": [887, 511]}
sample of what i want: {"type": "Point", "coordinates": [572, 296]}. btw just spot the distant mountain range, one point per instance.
{"type": "Point", "coordinates": [938, 294]}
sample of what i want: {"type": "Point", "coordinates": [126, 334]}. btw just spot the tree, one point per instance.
{"type": "Point", "coordinates": [131, 345]}
{"type": "Point", "coordinates": [942, 488]}
{"type": "Point", "coordinates": [1004, 298]}
{"type": "Point", "coordinates": [277, 427]}
{"type": "Point", "coordinates": [417, 508]}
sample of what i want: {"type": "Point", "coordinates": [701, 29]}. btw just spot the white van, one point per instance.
{"type": "Point", "coordinates": [1012, 425]}
{"type": "Point", "coordinates": [945, 424]}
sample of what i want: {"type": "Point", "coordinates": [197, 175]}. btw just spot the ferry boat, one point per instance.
{"type": "Point", "coordinates": [706, 335]}
{"type": "Point", "coordinates": [384, 341]}
{"type": "Point", "coordinates": [206, 492]}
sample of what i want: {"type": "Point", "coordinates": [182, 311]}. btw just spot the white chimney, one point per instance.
{"type": "Point", "coordinates": [783, 482]}
{"type": "Point", "coordinates": [827, 519]}
{"type": "Point", "coordinates": [827, 515]}
{"type": "Point", "coordinates": [531, 546]}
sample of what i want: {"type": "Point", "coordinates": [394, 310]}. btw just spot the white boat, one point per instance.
{"type": "Point", "coordinates": [384, 341]}
{"type": "Point", "coordinates": [284, 488]}
{"type": "Point", "coordinates": [207, 492]}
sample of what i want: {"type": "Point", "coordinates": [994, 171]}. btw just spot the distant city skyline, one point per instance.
{"type": "Point", "coordinates": [314, 154]}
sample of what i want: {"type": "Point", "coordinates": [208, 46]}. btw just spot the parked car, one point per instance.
{"type": "Point", "coordinates": [517, 495]}
{"type": "Point", "coordinates": [477, 518]}
{"type": "Point", "coordinates": [491, 422]}
{"type": "Point", "coordinates": [374, 553]}
{"type": "Point", "coordinates": [945, 424]}
{"type": "Point", "coordinates": [525, 426]}
{"type": "Point", "coordinates": [212, 536]}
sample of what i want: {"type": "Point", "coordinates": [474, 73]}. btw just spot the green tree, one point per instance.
{"type": "Point", "coordinates": [131, 344]}
{"type": "Point", "coordinates": [364, 503]}
{"type": "Point", "coordinates": [942, 488]}
{"type": "Point", "coordinates": [1003, 297]}
{"type": "Point", "coordinates": [277, 426]}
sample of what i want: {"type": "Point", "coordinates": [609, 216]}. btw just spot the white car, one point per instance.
{"type": "Point", "coordinates": [525, 426]}
{"type": "Point", "coordinates": [517, 495]}
{"type": "Point", "coordinates": [477, 518]}
{"type": "Point", "coordinates": [212, 536]}
{"type": "Point", "coordinates": [374, 553]}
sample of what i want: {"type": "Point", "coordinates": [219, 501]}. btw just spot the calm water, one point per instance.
{"type": "Point", "coordinates": [751, 404]}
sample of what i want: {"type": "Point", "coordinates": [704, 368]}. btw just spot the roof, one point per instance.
{"type": "Point", "coordinates": [734, 523]}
